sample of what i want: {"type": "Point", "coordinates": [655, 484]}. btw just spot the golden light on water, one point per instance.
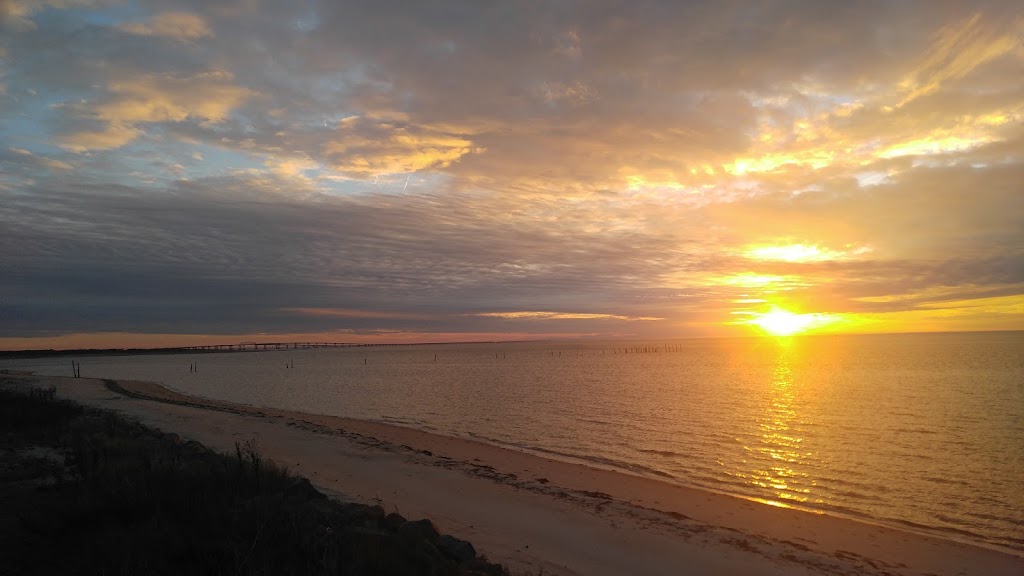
{"type": "Point", "coordinates": [779, 444]}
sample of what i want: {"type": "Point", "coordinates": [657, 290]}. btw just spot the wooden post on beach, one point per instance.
{"type": "Point", "coordinates": [435, 357]}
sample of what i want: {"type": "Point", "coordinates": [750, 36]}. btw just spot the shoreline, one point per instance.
{"type": "Point", "coordinates": [165, 393]}
{"type": "Point", "coordinates": [648, 514]}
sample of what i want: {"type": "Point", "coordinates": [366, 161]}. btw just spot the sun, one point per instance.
{"type": "Point", "coordinates": [779, 322]}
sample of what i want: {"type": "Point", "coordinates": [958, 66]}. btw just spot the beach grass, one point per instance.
{"type": "Point", "coordinates": [91, 492]}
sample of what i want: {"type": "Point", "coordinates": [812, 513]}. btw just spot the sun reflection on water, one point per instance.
{"type": "Point", "coordinates": [778, 449]}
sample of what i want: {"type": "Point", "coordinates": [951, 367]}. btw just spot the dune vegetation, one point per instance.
{"type": "Point", "coordinates": [86, 491]}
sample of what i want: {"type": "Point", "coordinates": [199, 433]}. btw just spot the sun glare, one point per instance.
{"type": "Point", "coordinates": [779, 322]}
{"type": "Point", "coordinates": [804, 252]}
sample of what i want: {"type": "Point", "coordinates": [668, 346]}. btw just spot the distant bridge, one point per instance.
{"type": "Point", "coordinates": [241, 346]}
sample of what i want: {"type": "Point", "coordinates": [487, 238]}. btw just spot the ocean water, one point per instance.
{"type": "Point", "coordinates": [920, 431]}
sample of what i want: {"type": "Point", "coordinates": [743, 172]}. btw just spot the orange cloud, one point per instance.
{"type": "Point", "coordinates": [536, 315]}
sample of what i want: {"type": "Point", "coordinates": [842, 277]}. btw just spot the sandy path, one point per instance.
{"type": "Point", "coordinates": [534, 513]}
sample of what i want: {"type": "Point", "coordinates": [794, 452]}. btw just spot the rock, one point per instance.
{"type": "Point", "coordinates": [301, 490]}
{"type": "Point", "coordinates": [394, 521]}
{"type": "Point", "coordinates": [481, 567]}
{"type": "Point", "coordinates": [195, 447]}
{"type": "Point", "coordinates": [458, 550]}
{"type": "Point", "coordinates": [352, 514]}
{"type": "Point", "coordinates": [424, 529]}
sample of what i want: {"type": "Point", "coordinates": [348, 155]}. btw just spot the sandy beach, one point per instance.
{"type": "Point", "coordinates": [536, 514]}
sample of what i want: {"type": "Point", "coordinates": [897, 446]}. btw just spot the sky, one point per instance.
{"type": "Point", "coordinates": [182, 172]}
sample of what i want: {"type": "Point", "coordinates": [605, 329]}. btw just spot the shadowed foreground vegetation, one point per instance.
{"type": "Point", "coordinates": [86, 491]}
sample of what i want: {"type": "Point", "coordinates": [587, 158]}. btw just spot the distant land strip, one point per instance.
{"type": "Point", "coordinates": [239, 347]}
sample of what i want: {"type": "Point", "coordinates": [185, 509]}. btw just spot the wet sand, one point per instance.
{"type": "Point", "coordinates": [533, 513]}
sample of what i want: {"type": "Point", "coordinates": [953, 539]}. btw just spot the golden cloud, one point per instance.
{"type": "Point", "coordinates": [209, 97]}
{"type": "Point", "coordinates": [958, 50]}
{"type": "Point", "coordinates": [365, 147]}
{"type": "Point", "coordinates": [181, 26]}
{"type": "Point", "coordinates": [802, 252]}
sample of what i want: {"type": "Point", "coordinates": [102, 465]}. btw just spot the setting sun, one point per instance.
{"type": "Point", "coordinates": [779, 322]}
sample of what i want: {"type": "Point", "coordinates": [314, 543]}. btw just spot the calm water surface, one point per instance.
{"type": "Point", "coordinates": [920, 431]}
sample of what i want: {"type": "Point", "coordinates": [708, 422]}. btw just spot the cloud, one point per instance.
{"type": "Point", "coordinates": [352, 313]}
{"type": "Point", "coordinates": [535, 315]}
{"type": "Point", "coordinates": [113, 135]}
{"type": "Point", "coordinates": [179, 252]}
{"type": "Point", "coordinates": [16, 15]}
{"type": "Point", "coordinates": [441, 169]}
{"type": "Point", "coordinates": [181, 26]}
{"type": "Point", "coordinates": [44, 161]}
{"type": "Point", "coordinates": [157, 98]}
{"type": "Point", "coordinates": [368, 147]}
{"type": "Point", "coordinates": [958, 50]}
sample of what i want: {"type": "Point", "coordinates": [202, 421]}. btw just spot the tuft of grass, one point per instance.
{"type": "Point", "coordinates": [37, 413]}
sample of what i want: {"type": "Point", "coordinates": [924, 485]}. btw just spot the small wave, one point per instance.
{"type": "Point", "coordinates": [915, 431]}
{"type": "Point", "coordinates": [601, 460]}
{"type": "Point", "coordinates": [994, 518]}
{"type": "Point", "coordinates": [853, 495]}
{"type": "Point", "coordinates": [947, 481]}
{"type": "Point", "coordinates": [596, 421]}
{"type": "Point", "coordinates": [956, 521]}
{"type": "Point", "coordinates": [665, 453]}
{"type": "Point", "coordinates": [942, 529]}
